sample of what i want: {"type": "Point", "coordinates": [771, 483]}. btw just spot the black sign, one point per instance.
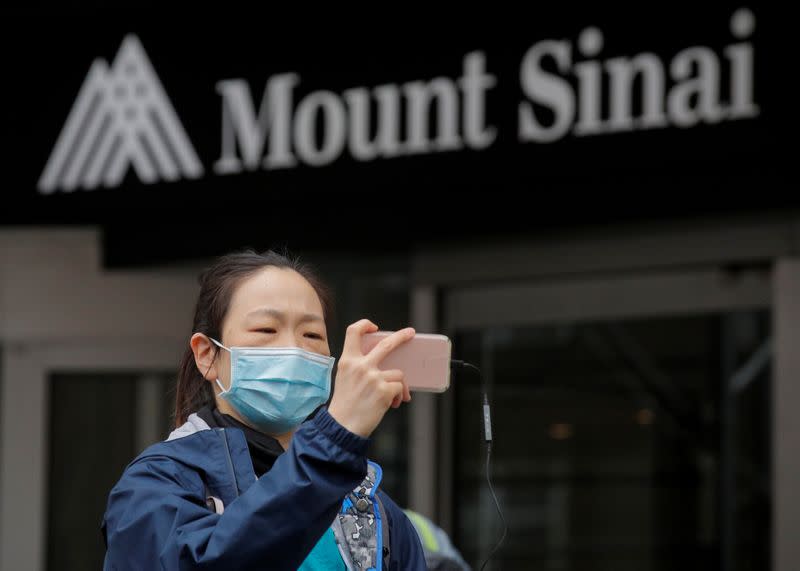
{"type": "Point", "coordinates": [202, 138]}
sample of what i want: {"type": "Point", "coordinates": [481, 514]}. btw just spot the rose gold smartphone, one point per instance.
{"type": "Point", "coordinates": [425, 360]}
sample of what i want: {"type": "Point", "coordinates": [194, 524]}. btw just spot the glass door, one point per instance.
{"type": "Point", "coordinates": [631, 443]}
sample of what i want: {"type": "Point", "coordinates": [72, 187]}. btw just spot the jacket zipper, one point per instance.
{"type": "Point", "coordinates": [230, 460]}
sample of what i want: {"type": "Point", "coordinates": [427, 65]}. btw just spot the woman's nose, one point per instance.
{"type": "Point", "coordinates": [289, 339]}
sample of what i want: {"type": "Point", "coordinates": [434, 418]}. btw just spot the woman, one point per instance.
{"type": "Point", "coordinates": [243, 482]}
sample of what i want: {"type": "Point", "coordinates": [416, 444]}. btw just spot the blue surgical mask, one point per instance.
{"type": "Point", "coordinates": [276, 388]}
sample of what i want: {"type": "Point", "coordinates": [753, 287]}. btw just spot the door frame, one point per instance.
{"type": "Point", "coordinates": [703, 265]}
{"type": "Point", "coordinates": [25, 410]}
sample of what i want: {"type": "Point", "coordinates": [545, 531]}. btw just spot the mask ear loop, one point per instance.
{"type": "Point", "coordinates": [218, 344]}
{"type": "Point", "coordinates": [221, 388]}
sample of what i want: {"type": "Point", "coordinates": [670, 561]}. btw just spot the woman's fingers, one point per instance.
{"type": "Point", "coordinates": [352, 339]}
{"type": "Point", "coordinates": [389, 344]}
{"type": "Point", "coordinates": [399, 392]}
{"type": "Point", "coordinates": [364, 392]}
{"type": "Point", "coordinates": [395, 390]}
{"type": "Point", "coordinates": [393, 376]}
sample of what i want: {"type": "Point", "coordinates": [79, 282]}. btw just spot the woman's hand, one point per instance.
{"type": "Point", "coordinates": [363, 393]}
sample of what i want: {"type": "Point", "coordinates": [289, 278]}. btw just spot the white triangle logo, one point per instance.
{"type": "Point", "coordinates": [122, 118]}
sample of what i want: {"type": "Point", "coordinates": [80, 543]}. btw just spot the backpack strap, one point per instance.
{"type": "Point", "coordinates": [362, 527]}
{"type": "Point", "coordinates": [341, 543]}
{"type": "Point", "coordinates": [384, 533]}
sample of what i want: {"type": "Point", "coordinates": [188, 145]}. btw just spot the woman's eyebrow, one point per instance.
{"type": "Point", "coordinates": [281, 316]}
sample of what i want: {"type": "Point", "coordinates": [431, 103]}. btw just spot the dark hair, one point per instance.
{"type": "Point", "coordinates": [217, 285]}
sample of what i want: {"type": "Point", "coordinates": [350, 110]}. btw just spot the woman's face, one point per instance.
{"type": "Point", "coordinates": [274, 308]}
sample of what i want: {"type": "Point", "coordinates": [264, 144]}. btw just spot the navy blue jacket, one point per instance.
{"type": "Point", "coordinates": [157, 516]}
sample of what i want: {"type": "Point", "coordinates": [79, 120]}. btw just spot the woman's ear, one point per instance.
{"type": "Point", "coordinates": [204, 356]}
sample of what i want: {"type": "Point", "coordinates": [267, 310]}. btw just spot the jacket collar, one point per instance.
{"type": "Point", "coordinates": [219, 455]}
